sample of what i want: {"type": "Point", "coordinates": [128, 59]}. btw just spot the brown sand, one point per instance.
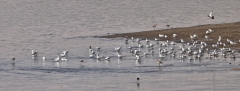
{"type": "Point", "coordinates": [228, 30]}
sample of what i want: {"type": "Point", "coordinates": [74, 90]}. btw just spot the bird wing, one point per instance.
{"type": "Point", "coordinates": [210, 14]}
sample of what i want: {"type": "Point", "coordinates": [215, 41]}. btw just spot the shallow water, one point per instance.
{"type": "Point", "coordinates": [51, 26]}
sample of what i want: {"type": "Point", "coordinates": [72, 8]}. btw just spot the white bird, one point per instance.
{"type": "Point", "coordinates": [126, 40]}
{"type": "Point", "coordinates": [90, 49]}
{"type": "Point", "coordinates": [64, 53]}
{"type": "Point", "coordinates": [44, 58]}
{"type": "Point", "coordinates": [219, 38]}
{"type": "Point", "coordinates": [228, 40]}
{"type": "Point", "coordinates": [57, 59]}
{"type": "Point", "coordinates": [206, 37]}
{"type": "Point", "coordinates": [161, 35]}
{"type": "Point", "coordinates": [34, 54]}
{"type": "Point", "coordinates": [98, 48]}
{"type": "Point", "coordinates": [165, 36]}
{"type": "Point", "coordinates": [147, 41]}
{"type": "Point", "coordinates": [182, 41]}
{"type": "Point", "coordinates": [211, 15]}
{"type": "Point", "coordinates": [64, 59]}
{"type": "Point", "coordinates": [210, 30]}
{"type": "Point", "coordinates": [138, 57]}
{"type": "Point", "coordinates": [174, 35]}
{"type": "Point", "coordinates": [232, 43]}
{"type": "Point", "coordinates": [107, 58]}
{"type": "Point", "coordinates": [120, 56]}
{"type": "Point", "coordinates": [118, 49]}
{"type": "Point", "coordinates": [98, 57]}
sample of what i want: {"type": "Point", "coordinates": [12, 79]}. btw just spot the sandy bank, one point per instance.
{"type": "Point", "coordinates": [228, 30]}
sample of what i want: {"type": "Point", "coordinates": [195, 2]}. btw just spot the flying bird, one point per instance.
{"type": "Point", "coordinates": [211, 15]}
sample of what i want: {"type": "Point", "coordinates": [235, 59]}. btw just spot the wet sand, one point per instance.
{"type": "Point", "coordinates": [227, 30]}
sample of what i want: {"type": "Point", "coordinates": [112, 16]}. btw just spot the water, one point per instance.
{"type": "Point", "coordinates": [51, 26]}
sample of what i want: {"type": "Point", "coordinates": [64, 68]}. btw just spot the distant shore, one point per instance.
{"type": "Point", "coordinates": [227, 30]}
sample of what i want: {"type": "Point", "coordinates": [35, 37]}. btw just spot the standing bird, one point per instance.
{"type": "Point", "coordinates": [34, 54]}
{"type": "Point", "coordinates": [138, 78]}
{"type": "Point", "coordinates": [154, 26]}
{"type": "Point", "coordinates": [44, 58]}
{"type": "Point", "coordinates": [168, 25]}
{"type": "Point", "coordinates": [159, 62]}
{"type": "Point", "coordinates": [211, 15]}
{"type": "Point", "coordinates": [13, 60]}
{"type": "Point", "coordinates": [174, 36]}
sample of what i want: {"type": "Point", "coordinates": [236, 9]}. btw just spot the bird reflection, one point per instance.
{"type": "Point", "coordinates": [138, 85]}
{"type": "Point", "coordinates": [213, 81]}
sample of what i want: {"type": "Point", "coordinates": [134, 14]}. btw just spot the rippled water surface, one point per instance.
{"type": "Point", "coordinates": [52, 26]}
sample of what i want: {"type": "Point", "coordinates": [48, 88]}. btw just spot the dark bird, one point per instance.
{"type": "Point", "coordinates": [13, 61]}
{"type": "Point", "coordinates": [138, 79]}
{"type": "Point", "coordinates": [168, 25]}
{"type": "Point", "coordinates": [154, 26]}
{"type": "Point", "coordinates": [159, 62]}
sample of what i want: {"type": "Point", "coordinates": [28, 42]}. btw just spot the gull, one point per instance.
{"type": "Point", "coordinates": [174, 35]}
{"type": "Point", "coordinates": [206, 37]}
{"type": "Point", "coordinates": [154, 26]}
{"type": "Point", "coordinates": [165, 36]}
{"type": "Point", "coordinates": [161, 35]}
{"type": "Point", "coordinates": [64, 59]}
{"type": "Point", "coordinates": [138, 57]}
{"type": "Point", "coordinates": [57, 59]}
{"type": "Point", "coordinates": [118, 49]}
{"type": "Point", "coordinates": [228, 40]}
{"type": "Point", "coordinates": [91, 55]}
{"type": "Point", "coordinates": [107, 58]}
{"type": "Point", "coordinates": [209, 31]}
{"type": "Point", "coordinates": [219, 38]}
{"type": "Point", "coordinates": [211, 15]}
{"type": "Point", "coordinates": [120, 56]}
{"type": "Point", "coordinates": [232, 43]}
{"type": "Point", "coordinates": [44, 58]}
{"type": "Point", "coordinates": [140, 46]}
{"type": "Point", "coordinates": [126, 40]}
{"type": "Point", "coordinates": [64, 53]}
{"type": "Point", "coordinates": [90, 49]}
{"type": "Point", "coordinates": [182, 41]}
{"type": "Point", "coordinates": [147, 41]}
{"type": "Point", "coordinates": [132, 39]}
{"type": "Point", "coordinates": [156, 39]}
{"type": "Point", "coordinates": [98, 57]}
{"type": "Point", "coordinates": [98, 48]}
{"type": "Point", "coordinates": [173, 43]}
{"type": "Point", "coordinates": [34, 54]}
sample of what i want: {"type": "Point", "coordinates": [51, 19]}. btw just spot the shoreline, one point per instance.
{"type": "Point", "coordinates": [226, 31]}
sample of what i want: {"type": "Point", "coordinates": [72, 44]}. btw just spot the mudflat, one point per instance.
{"type": "Point", "coordinates": [229, 31]}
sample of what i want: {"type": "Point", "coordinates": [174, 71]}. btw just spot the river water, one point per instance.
{"type": "Point", "coordinates": [52, 26]}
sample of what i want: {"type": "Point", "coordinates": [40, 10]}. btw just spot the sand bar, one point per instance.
{"type": "Point", "coordinates": [227, 30]}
